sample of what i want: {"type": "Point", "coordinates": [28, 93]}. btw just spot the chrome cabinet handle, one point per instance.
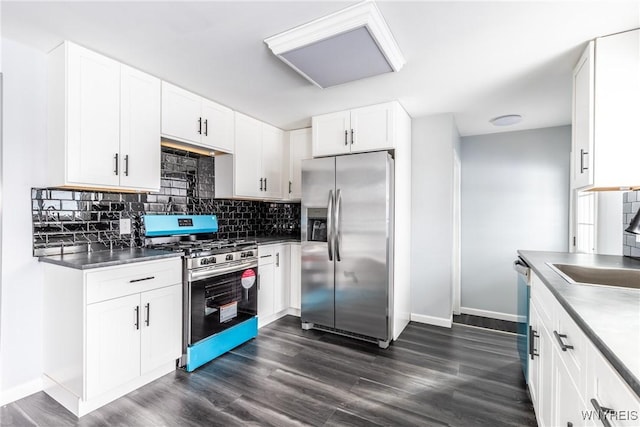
{"type": "Point", "coordinates": [265, 184]}
{"type": "Point", "coordinates": [346, 135]}
{"type": "Point", "coordinates": [141, 280]}
{"type": "Point", "coordinates": [200, 125]}
{"type": "Point", "coordinates": [126, 165]}
{"type": "Point", "coordinates": [115, 171]}
{"type": "Point", "coordinates": [582, 162]}
{"type": "Point", "coordinates": [330, 225]}
{"type": "Point", "coordinates": [532, 336]}
{"type": "Point", "coordinates": [137, 312]}
{"type": "Point", "coordinates": [278, 259]}
{"type": "Point", "coordinates": [289, 187]}
{"type": "Point", "coordinates": [602, 412]}
{"type": "Point", "coordinates": [559, 337]}
{"type": "Point", "coordinates": [352, 140]}
{"type": "Point", "coordinates": [148, 308]}
{"type": "Point", "coordinates": [261, 179]}
{"type": "Point", "coordinates": [338, 237]}
{"type": "Point", "coordinates": [206, 127]}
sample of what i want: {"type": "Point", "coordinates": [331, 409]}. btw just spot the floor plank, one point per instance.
{"type": "Point", "coordinates": [286, 376]}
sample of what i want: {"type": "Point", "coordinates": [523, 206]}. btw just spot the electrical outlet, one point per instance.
{"type": "Point", "coordinates": [125, 226]}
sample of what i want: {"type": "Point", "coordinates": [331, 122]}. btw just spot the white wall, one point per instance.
{"type": "Point", "coordinates": [23, 163]}
{"type": "Point", "coordinates": [434, 138]}
{"type": "Point", "coordinates": [515, 195]}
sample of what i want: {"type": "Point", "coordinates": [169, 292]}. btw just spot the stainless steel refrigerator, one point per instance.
{"type": "Point", "coordinates": [347, 245]}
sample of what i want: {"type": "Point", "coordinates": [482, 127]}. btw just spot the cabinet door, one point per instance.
{"type": "Point", "coordinates": [299, 149]}
{"type": "Point", "coordinates": [266, 291]}
{"type": "Point", "coordinates": [545, 385]}
{"type": "Point", "coordinates": [161, 327]}
{"type": "Point", "coordinates": [331, 134]}
{"type": "Point", "coordinates": [569, 408]}
{"type": "Point", "coordinates": [616, 110]}
{"type": "Point", "coordinates": [272, 151]}
{"type": "Point", "coordinates": [247, 156]}
{"type": "Point", "coordinates": [295, 277]}
{"type": "Point", "coordinates": [610, 391]}
{"type": "Point", "coordinates": [181, 114]}
{"type": "Point", "coordinates": [372, 128]}
{"type": "Point", "coordinates": [139, 130]}
{"type": "Point", "coordinates": [281, 277]}
{"type": "Point", "coordinates": [113, 344]}
{"type": "Point", "coordinates": [534, 363]}
{"type": "Point", "coordinates": [582, 136]}
{"type": "Point", "coordinates": [217, 128]}
{"type": "Point", "coordinates": [93, 126]}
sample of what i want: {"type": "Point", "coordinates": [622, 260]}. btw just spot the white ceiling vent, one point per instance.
{"type": "Point", "coordinates": [352, 44]}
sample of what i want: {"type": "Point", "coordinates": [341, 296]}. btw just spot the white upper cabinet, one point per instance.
{"type": "Point", "coordinates": [247, 165]}
{"type": "Point", "coordinates": [299, 149]}
{"type": "Point", "coordinates": [255, 168]}
{"type": "Point", "coordinates": [358, 130]}
{"type": "Point", "coordinates": [103, 120]}
{"type": "Point", "coordinates": [217, 131]}
{"type": "Point", "coordinates": [272, 152]}
{"type": "Point", "coordinates": [190, 118]}
{"type": "Point", "coordinates": [331, 134]}
{"type": "Point", "coordinates": [606, 107]}
{"type": "Point", "coordinates": [139, 124]}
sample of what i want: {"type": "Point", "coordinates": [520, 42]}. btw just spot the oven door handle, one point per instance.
{"type": "Point", "coordinates": [204, 273]}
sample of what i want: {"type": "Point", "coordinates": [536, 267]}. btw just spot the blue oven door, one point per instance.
{"type": "Point", "coordinates": [524, 274]}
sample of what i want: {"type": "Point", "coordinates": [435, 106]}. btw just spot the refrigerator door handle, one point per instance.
{"type": "Point", "coordinates": [330, 225]}
{"type": "Point", "coordinates": [338, 236]}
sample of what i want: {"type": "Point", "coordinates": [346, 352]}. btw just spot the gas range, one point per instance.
{"type": "Point", "coordinates": [220, 284]}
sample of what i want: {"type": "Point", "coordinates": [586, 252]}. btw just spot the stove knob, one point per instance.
{"type": "Point", "coordinates": [250, 253]}
{"type": "Point", "coordinates": [204, 261]}
{"type": "Point", "coordinates": [212, 260]}
{"type": "Point", "coordinates": [243, 255]}
{"type": "Point", "coordinates": [229, 257]}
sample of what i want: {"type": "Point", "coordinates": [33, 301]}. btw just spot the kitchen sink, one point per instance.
{"type": "Point", "coordinates": [605, 276]}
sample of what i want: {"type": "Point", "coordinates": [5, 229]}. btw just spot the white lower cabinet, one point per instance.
{"type": "Point", "coordinates": [568, 373]}
{"type": "Point", "coordinates": [273, 282]}
{"type": "Point", "coordinates": [110, 330]}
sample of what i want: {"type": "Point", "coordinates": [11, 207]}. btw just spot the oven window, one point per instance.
{"type": "Point", "coordinates": [217, 303]}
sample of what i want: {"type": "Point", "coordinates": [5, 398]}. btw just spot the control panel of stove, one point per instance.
{"type": "Point", "coordinates": [206, 261]}
{"type": "Point", "coordinates": [219, 260]}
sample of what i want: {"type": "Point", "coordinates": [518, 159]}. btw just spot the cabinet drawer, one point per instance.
{"type": "Point", "coordinates": [266, 255]}
{"type": "Point", "coordinates": [133, 278]}
{"type": "Point", "coordinates": [544, 300]}
{"type": "Point", "coordinates": [610, 391]}
{"type": "Point", "coordinates": [574, 358]}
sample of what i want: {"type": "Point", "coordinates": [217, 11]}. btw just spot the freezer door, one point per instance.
{"type": "Point", "coordinates": [318, 202]}
{"type": "Point", "coordinates": [363, 202]}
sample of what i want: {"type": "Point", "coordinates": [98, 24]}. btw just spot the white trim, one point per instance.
{"type": "Point", "coordinates": [431, 320]}
{"type": "Point", "coordinates": [20, 391]}
{"type": "Point", "coordinates": [489, 314]}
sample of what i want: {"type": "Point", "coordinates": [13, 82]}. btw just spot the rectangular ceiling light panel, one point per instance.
{"type": "Point", "coordinates": [349, 45]}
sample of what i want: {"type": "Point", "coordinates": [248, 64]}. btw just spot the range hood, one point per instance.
{"type": "Point", "coordinates": [351, 44]}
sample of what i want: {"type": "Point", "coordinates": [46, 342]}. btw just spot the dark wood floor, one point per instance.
{"type": "Point", "coordinates": [462, 376]}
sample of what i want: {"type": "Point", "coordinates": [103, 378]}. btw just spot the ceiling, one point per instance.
{"type": "Point", "coordinates": [474, 59]}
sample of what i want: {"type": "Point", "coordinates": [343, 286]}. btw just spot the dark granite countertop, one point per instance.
{"type": "Point", "coordinates": [272, 240]}
{"type": "Point", "coordinates": [609, 316]}
{"type": "Point", "coordinates": [87, 260]}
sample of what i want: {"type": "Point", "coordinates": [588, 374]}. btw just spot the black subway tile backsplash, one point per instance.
{"type": "Point", "coordinates": [630, 205]}
{"type": "Point", "coordinates": [67, 221]}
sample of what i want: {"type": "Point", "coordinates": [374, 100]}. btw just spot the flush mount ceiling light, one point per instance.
{"type": "Point", "coordinates": [508, 120]}
{"type": "Point", "coordinates": [351, 44]}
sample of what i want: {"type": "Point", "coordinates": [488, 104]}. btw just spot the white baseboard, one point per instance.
{"type": "Point", "coordinates": [20, 391]}
{"type": "Point", "coordinates": [489, 314]}
{"type": "Point", "coordinates": [431, 320]}
{"type": "Point", "coordinates": [293, 311]}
